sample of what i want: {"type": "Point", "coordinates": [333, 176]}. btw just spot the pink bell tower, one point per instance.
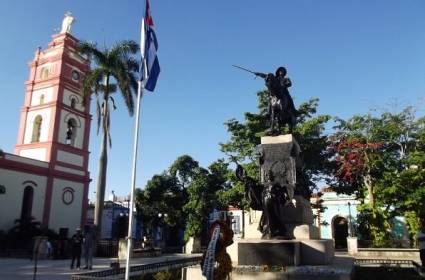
{"type": "Point", "coordinates": [55, 121]}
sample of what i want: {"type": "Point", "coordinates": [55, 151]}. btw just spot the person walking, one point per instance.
{"type": "Point", "coordinates": [89, 241]}
{"type": "Point", "coordinates": [49, 250]}
{"type": "Point", "coordinates": [420, 236]}
{"type": "Point", "coordinates": [76, 245]}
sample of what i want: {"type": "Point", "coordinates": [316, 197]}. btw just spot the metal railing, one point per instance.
{"type": "Point", "coordinates": [107, 248]}
{"type": "Point", "coordinates": [137, 269]}
{"type": "Point", "coordinates": [384, 262]}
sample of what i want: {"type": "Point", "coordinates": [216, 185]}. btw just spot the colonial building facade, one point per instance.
{"type": "Point", "coordinates": [47, 176]}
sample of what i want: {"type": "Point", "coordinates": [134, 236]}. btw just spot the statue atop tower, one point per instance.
{"type": "Point", "coordinates": [67, 23]}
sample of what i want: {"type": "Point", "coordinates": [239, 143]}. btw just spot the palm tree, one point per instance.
{"type": "Point", "coordinates": [115, 69]}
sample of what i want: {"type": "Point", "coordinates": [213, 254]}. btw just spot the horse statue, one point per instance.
{"type": "Point", "coordinates": [281, 109]}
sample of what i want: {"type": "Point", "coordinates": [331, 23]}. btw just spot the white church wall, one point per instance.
{"type": "Point", "coordinates": [70, 170]}
{"type": "Point", "coordinates": [52, 53]}
{"type": "Point", "coordinates": [69, 158]}
{"type": "Point", "coordinates": [11, 202]}
{"type": "Point", "coordinates": [26, 160]}
{"type": "Point", "coordinates": [37, 153]}
{"type": "Point", "coordinates": [45, 124]}
{"type": "Point", "coordinates": [70, 210]}
{"type": "Point", "coordinates": [36, 94]}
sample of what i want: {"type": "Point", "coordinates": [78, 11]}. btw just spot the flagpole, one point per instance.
{"type": "Point", "coordinates": [133, 181]}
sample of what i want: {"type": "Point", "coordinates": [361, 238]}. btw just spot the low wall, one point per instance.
{"type": "Point", "coordinates": [387, 253]}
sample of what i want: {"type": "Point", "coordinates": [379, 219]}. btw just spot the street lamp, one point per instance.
{"type": "Point", "coordinates": [349, 219]}
{"type": "Point", "coordinates": [158, 237]}
{"type": "Point", "coordinates": [160, 215]}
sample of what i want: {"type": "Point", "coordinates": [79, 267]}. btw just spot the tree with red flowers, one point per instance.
{"type": "Point", "coordinates": [380, 160]}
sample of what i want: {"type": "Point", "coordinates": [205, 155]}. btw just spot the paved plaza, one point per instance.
{"type": "Point", "coordinates": [23, 269]}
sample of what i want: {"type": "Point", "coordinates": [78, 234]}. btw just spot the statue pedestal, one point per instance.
{"type": "Point", "coordinates": [281, 174]}
{"type": "Point", "coordinates": [259, 252]}
{"type": "Point", "coordinates": [352, 246]}
{"type": "Point", "coordinates": [306, 232]}
{"type": "Point", "coordinates": [285, 198]}
{"type": "Point", "coordinates": [122, 249]}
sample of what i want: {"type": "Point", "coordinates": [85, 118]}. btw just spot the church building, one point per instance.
{"type": "Point", "coordinates": [47, 175]}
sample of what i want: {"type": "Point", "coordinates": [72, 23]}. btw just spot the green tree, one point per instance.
{"type": "Point", "coordinates": [114, 70]}
{"type": "Point", "coordinates": [203, 196]}
{"type": "Point", "coordinates": [161, 195]}
{"type": "Point", "coordinates": [183, 169]}
{"type": "Point", "coordinates": [167, 193]}
{"type": "Point", "coordinates": [380, 160]}
{"type": "Point", "coordinates": [187, 192]}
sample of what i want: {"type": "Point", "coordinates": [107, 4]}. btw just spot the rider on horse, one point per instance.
{"type": "Point", "coordinates": [281, 106]}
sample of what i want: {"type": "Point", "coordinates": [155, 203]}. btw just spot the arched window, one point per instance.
{"type": "Point", "coordinates": [42, 99]}
{"type": "Point", "coordinates": [73, 102]}
{"type": "Point", "coordinates": [36, 129]}
{"type": "Point", "coordinates": [71, 132]}
{"type": "Point", "coordinates": [27, 200]}
{"type": "Point", "coordinates": [44, 73]}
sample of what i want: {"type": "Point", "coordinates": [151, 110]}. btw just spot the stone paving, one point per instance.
{"type": "Point", "coordinates": [23, 269]}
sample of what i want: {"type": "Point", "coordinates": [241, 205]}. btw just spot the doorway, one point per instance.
{"type": "Point", "coordinates": [340, 232]}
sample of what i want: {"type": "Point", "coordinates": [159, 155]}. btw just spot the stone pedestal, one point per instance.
{"type": "Point", "coordinates": [122, 249]}
{"type": "Point", "coordinates": [317, 251]}
{"type": "Point", "coordinates": [193, 246]}
{"type": "Point", "coordinates": [352, 246]}
{"type": "Point", "coordinates": [285, 190]}
{"type": "Point", "coordinates": [306, 232]}
{"type": "Point", "coordinates": [288, 219]}
{"type": "Point", "coordinates": [260, 252]}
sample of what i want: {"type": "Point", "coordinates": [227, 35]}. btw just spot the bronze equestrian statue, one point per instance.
{"type": "Point", "coordinates": [281, 109]}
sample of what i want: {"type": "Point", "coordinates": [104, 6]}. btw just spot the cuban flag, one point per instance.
{"type": "Point", "coordinates": [148, 46]}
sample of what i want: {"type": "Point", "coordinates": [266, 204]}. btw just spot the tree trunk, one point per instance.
{"type": "Point", "coordinates": [368, 182]}
{"type": "Point", "coordinates": [103, 164]}
{"type": "Point", "coordinates": [101, 185]}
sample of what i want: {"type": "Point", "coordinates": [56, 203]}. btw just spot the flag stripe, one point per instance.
{"type": "Point", "coordinates": [149, 45]}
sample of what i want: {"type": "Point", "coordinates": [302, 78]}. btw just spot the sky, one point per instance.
{"type": "Point", "coordinates": [355, 56]}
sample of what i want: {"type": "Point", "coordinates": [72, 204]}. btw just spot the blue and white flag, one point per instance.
{"type": "Point", "coordinates": [148, 46]}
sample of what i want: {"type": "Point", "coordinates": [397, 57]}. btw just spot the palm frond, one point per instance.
{"type": "Point", "coordinates": [110, 139]}
{"type": "Point", "coordinates": [124, 49]}
{"type": "Point", "coordinates": [113, 102]}
{"type": "Point", "coordinates": [128, 88]}
{"type": "Point", "coordinates": [133, 64]}
{"type": "Point", "coordinates": [98, 115]}
{"type": "Point", "coordinates": [90, 49]}
{"type": "Point", "coordinates": [115, 70]}
{"type": "Point", "coordinates": [112, 88]}
{"type": "Point", "coordinates": [91, 83]}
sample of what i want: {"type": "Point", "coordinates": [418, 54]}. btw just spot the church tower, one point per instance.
{"type": "Point", "coordinates": [55, 122]}
{"type": "Point", "coordinates": [53, 139]}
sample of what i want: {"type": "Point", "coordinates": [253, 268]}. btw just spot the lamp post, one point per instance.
{"type": "Point", "coordinates": [349, 219]}
{"type": "Point", "coordinates": [159, 227]}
